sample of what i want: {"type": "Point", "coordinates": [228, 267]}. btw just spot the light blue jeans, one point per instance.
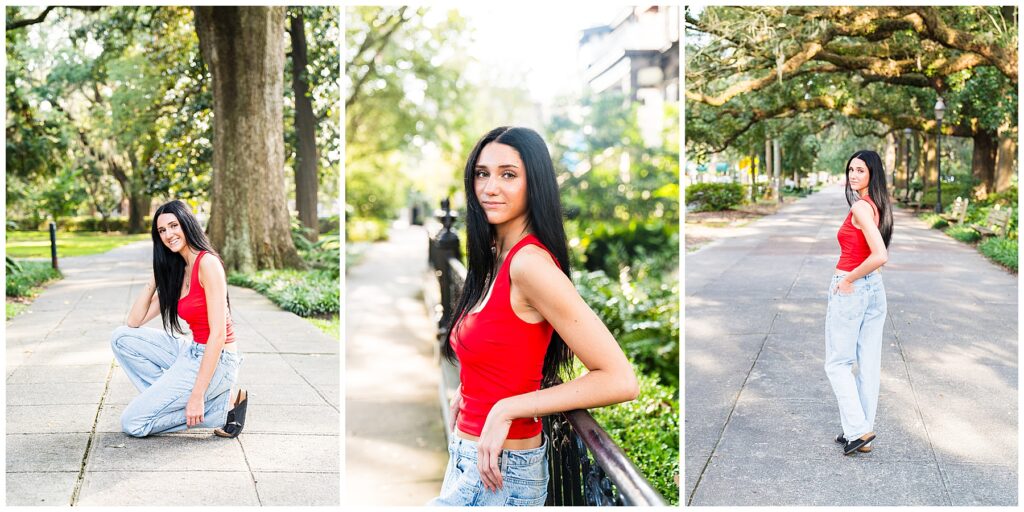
{"type": "Point", "coordinates": [524, 476]}
{"type": "Point", "coordinates": [853, 334]}
{"type": "Point", "coordinates": [163, 368]}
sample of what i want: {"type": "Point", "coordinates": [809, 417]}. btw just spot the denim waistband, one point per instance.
{"type": "Point", "coordinates": [874, 274]}
{"type": "Point", "coordinates": [198, 349]}
{"type": "Point", "coordinates": [466, 448]}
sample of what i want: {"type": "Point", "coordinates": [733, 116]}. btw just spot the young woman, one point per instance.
{"type": "Point", "coordinates": [856, 301]}
{"type": "Point", "coordinates": [516, 327]}
{"type": "Point", "coordinates": [183, 384]}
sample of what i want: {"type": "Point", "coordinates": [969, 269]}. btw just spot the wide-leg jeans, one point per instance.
{"type": "Point", "coordinates": [853, 334]}
{"type": "Point", "coordinates": [163, 368]}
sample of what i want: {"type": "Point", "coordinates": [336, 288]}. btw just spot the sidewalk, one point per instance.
{"type": "Point", "coordinates": [65, 395]}
{"type": "Point", "coordinates": [760, 415]}
{"type": "Point", "coordinates": [395, 446]}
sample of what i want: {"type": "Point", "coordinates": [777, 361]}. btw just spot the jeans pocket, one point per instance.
{"type": "Point", "coordinates": [513, 501]}
{"type": "Point", "coordinates": [527, 483]}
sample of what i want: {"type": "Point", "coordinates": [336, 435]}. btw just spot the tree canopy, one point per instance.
{"type": "Point", "coordinates": [757, 72]}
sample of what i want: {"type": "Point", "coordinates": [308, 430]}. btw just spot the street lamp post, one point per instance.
{"type": "Point", "coordinates": [940, 109]}
{"type": "Point", "coordinates": [906, 152]}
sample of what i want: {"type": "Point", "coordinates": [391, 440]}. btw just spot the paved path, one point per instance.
{"type": "Point", "coordinates": [760, 414]}
{"type": "Point", "coordinates": [394, 439]}
{"type": "Point", "coordinates": [65, 395]}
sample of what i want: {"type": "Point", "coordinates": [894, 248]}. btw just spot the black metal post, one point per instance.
{"type": "Point", "coordinates": [448, 247]}
{"type": "Point", "coordinates": [938, 163]}
{"type": "Point", "coordinates": [906, 142]}
{"type": "Point", "coordinates": [53, 244]}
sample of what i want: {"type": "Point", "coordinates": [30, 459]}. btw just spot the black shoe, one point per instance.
{"type": "Point", "coordinates": [236, 417]}
{"type": "Point", "coordinates": [857, 444]}
{"type": "Point", "coordinates": [863, 449]}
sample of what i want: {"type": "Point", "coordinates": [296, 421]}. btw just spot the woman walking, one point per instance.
{"type": "Point", "coordinates": [516, 327]}
{"type": "Point", "coordinates": [182, 383]}
{"type": "Point", "coordinates": [856, 301]}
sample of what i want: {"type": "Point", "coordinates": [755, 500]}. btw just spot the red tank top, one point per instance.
{"type": "Point", "coordinates": [853, 245]}
{"type": "Point", "coordinates": [192, 308]}
{"type": "Point", "coordinates": [500, 354]}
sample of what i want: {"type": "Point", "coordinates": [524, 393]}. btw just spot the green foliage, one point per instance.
{"type": "Point", "coordinates": [303, 292]}
{"type": "Point", "coordinates": [324, 254]}
{"type": "Point", "coordinates": [330, 326]}
{"type": "Point", "coordinates": [642, 315]}
{"type": "Point", "coordinates": [1000, 250]}
{"type": "Point", "coordinates": [648, 430]}
{"type": "Point", "coordinates": [14, 309]}
{"type": "Point", "coordinates": [366, 230]}
{"type": "Point", "coordinates": [713, 197]}
{"type": "Point", "coordinates": [934, 221]}
{"type": "Point", "coordinates": [23, 283]}
{"type": "Point", "coordinates": [963, 233]}
{"type": "Point", "coordinates": [405, 91]}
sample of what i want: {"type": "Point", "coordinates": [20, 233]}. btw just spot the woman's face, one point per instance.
{"type": "Point", "coordinates": [169, 229]}
{"type": "Point", "coordinates": [499, 181]}
{"type": "Point", "coordinates": [858, 175]}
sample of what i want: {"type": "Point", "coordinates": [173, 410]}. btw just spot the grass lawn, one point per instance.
{"type": "Point", "coordinates": [14, 308]}
{"type": "Point", "coordinates": [330, 326]}
{"type": "Point", "coordinates": [36, 244]}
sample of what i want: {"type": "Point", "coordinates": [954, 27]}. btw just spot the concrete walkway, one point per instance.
{"type": "Point", "coordinates": [65, 395]}
{"type": "Point", "coordinates": [394, 437]}
{"type": "Point", "coordinates": [760, 415]}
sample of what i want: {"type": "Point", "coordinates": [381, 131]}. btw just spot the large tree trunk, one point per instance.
{"type": "Point", "coordinates": [139, 204]}
{"type": "Point", "coordinates": [983, 162]}
{"type": "Point", "coordinates": [890, 156]}
{"type": "Point", "coordinates": [243, 48]}
{"type": "Point", "coordinates": [306, 161]}
{"type": "Point", "coordinates": [769, 168]}
{"type": "Point", "coordinates": [927, 170]}
{"type": "Point", "coordinates": [1006, 159]}
{"type": "Point", "coordinates": [899, 170]}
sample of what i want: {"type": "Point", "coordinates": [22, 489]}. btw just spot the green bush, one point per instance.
{"type": "Point", "coordinates": [366, 230]}
{"type": "Point", "coordinates": [609, 246]}
{"type": "Point", "coordinates": [708, 197]}
{"type": "Point", "coordinates": [303, 292]}
{"type": "Point", "coordinates": [31, 274]}
{"type": "Point", "coordinates": [647, 429]}
{"type": "Point", "coordinates": [1000, 250]}
{"type": "Point", "coordinates": [642, 315]}
{"type": "Point", "coordinates": [964, 234]}
{"type": "Point", "coordinates": [324, 254]}
{"type": "Point", "coordinates": [934, 221]}
{"type": "Point", "coordinates": [76, 224]}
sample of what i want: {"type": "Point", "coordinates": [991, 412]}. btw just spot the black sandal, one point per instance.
{"type": "Point", "coordinates": [236, 417]}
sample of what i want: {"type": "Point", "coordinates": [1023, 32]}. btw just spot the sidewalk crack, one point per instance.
{"type": "Point", "coordinates": [92, 435]}
{"type": "Point", "coordinates": [920, 414]}
{"type": "Point", "coordinates": [728, 418]}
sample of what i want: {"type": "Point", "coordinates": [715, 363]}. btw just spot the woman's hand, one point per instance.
{"type": "Point", "coordinates": [453, 408]}
{"type": "Point", "coordinates": [488, 446]}
{"type": "Point", "coordinates": [194, 410]}
{"type": "Point", "coordinates": [845, 287]}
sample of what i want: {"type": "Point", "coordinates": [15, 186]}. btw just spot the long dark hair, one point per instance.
{"type": "Point", "coordinates": [544, 220]}
{"type": "Point", "coordinates": [169, 268]}
{"type": "Point", "coordinates": [876, 190]}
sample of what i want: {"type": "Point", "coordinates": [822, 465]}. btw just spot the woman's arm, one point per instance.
{"type": "Point", "coordinates": [214, 283]}
{"type": "Point", "coordinates": [146, 307]}
{"type": "Point", "coordinates": [610, 378]}
{"type": "Point", "coordinates": [864, 219]}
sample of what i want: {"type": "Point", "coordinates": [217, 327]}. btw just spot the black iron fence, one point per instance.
{"type": "Point", "coordinates": [586, 466]}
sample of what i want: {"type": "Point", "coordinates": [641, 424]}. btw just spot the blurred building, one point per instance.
{"type": "Point", "coordinates": [637, 54]}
